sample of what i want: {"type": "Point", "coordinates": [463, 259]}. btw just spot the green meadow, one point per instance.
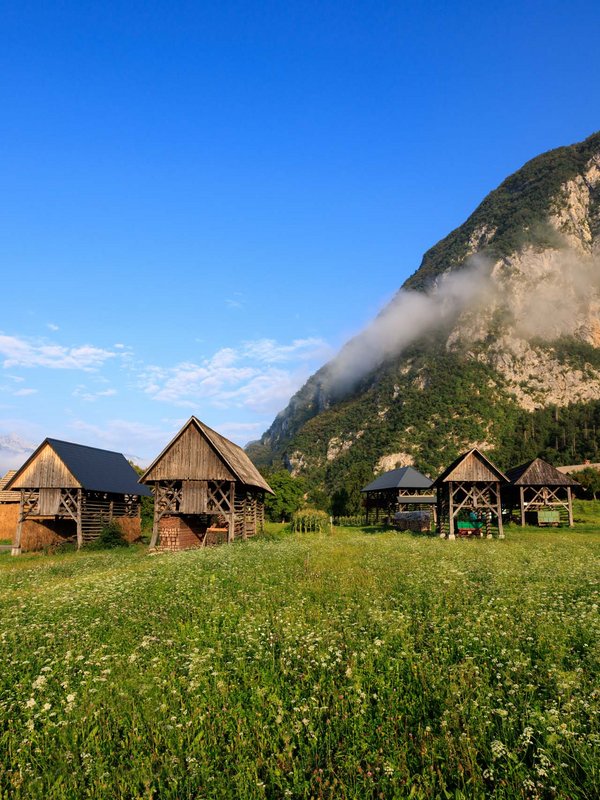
{"type": "Point", "coordinates": [356, 664]}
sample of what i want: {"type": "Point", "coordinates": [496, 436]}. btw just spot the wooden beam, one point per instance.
{"type": "Point", "coordinates": [499, 505]}
{"type": "Point", "coordinates": [16, 548]}
{"type": "Point", "coordinates": [451, 534]}
{"type": "Point", "coordinates": [570, 499]}
{"type": "Point", "coordinates": [79, 528]}
{"type": "Point", "coordinates": [231, 530]}
{"type": "Point", "coordinates": [522, 498]}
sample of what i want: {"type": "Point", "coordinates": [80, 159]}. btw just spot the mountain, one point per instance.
{"type": "Point", "coordinates": [493, 342]}
{"type": "Point", "coordinates": [14, 451]}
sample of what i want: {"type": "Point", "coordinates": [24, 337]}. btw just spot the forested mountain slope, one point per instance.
{"type": "Point", "coordinates": [494, 341]}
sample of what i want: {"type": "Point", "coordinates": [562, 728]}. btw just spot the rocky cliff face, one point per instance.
{"type": "Point", "coordinates": [501, 321]}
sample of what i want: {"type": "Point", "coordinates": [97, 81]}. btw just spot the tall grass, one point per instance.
{"type": "Point", "coordinates": [345, 666]}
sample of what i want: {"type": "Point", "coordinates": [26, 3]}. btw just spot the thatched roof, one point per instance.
{"type": "Point", "coordinates": [403, 478]}
{"type": "Point", "coordinates": [472, 467]}
{"type": "Point", "coordinates": [230, 454]}
{"type": "Point", "coordinates": [7, 496]}
{"type": "Point", "coordinates": [90, 468]}
{"type": "Point", "coordinates": [538, 473]}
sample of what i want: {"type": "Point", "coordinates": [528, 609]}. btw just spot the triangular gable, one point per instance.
{"type": "Point", "coordinates": [190, 456]}
{"type": "Point", "coordinates": [471, 467]}
{"type": "Point", "coordinates": [538, 473]}
{"type": "Point", "coordinates": [44, 468]}
{"type": "Point", "coordinates": [199, 453]}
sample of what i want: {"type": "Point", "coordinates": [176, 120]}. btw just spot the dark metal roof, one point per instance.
{"type": "Point", "coordinates": [96, 470]}
{"type": "Point", "coordinates": [538, 473]}
{"type": "Point", "coordinates": [403, 478]}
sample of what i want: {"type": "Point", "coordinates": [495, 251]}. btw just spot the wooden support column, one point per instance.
{"type": "Point", "coordinates": [451, 534]}
{"type": "Point", "coordinates": [522, 499]}
{"type": "Point", "coordinates": [499, 506]}
{"type": "Point", "coordinates": [245, 515]}
{"type": "Point", "coordinates": [16, 548]}
{"type": "Point", "coordinates": [154, 537]}
{"type": "Point", "coordinates": [79, 526]}
{"type": "Point", "coordinates": [231, 531]}
{"type": "Point", "coordinates": [570, 509]}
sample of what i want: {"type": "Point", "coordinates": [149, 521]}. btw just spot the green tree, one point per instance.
{"type": "Point", "coordinates": [289, 496]}
{"type": "Point", "coordinates": [589, 478]}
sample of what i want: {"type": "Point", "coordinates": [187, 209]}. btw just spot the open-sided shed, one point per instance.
{"type": "Point", "coordinates": [398, 490]}
{"type": "Point", "coordinates": [206, 490]}
{"type": "Point", "coordinates": [468, 496]}
{"type": "Point", "coordinates": [75, 490]}
{"type": "Point", "coordinates": [539, 489]}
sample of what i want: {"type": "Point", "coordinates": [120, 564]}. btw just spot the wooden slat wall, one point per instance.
{"type": "Point", "coordinates": [190, 457]}
{"type": "Point", "coordinates": [48, 471]}
{"type": "Point", "coordinates": [194, 497]}
{"type": "Point", "coordinates": [472, 469]}
{"type": "Point", "coordinates": [49, 502]}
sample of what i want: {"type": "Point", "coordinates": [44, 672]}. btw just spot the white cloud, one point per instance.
{"type": "Point", "coordinates": [52, 326]}
{"type": "Point", "coordinates": [125, 436]}
{"type": "Point", "coordinates": [24, 392]}
{"type": "Point", "coordinates": [89, 396]}
{"type": "Point", "coordinates": [271, 352]}
{"type": "Point", "coordinates": [19, 352]}
{"type": "Point", "coordinates": [246, 377]}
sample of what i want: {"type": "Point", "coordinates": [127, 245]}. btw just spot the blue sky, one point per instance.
{"type": "Point", "coordinates": [202, 201]}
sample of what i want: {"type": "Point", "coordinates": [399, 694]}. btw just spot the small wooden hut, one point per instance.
{"type": "Point", "coordinates": [206, 491]}
{"type": "Point", "coordinates": [9, 507]}
{"type": "Point", "coordinates": [469, 496]}
{"type": "Point", "coordinates": [396, 491]}
{"type": "Point", "coordinates": [542, 493]}
{"type": "Point", "coordinates": [72, 490]}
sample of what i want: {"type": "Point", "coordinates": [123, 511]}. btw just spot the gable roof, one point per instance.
{"type": "Point", "coordinates": [402, 478]}
{"type": "Point", "coordinates": [538, 472]}
{"type": "Point", "coordinates": [94, 469]}
{"type": "Point", "coordinates": [471, 466]}
{"type": "Point", "coordinates": [231, 454]}
{"type": "Point", "coordinates": [8, 496]}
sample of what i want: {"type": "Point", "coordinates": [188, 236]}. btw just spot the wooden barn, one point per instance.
{"type": "Point", "coordinates": [398, 491]}
{"type": "Point", "coordinates": [70, 490]}
{"type": "Point", "coordinates": [542, 493]}
{"type": "Point", "coordinates": [469, 497]}
{"type": "Point", "coordinates": [206, 491]}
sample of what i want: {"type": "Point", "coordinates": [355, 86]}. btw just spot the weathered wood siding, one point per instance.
{"type": "Point", "coordinates": [190, 458]}
{"type": "Point", "coordinates": [47, 470]}
{"type": "Point", "coordinates": [472, 469]}
{"type": "Point", "coordinates": [194, 497]}
{"type": "Point", "coordinates": [49, 502]}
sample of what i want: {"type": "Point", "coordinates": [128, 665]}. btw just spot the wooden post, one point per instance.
{"type": "Point", "coordinates": [499, 506]}
{"type": "Point", "coordinates": [16, 548]}
{"type": "Point", "coordinates": [451, 534]}
{"type": "Point", "coordinates": [570, 499]}
{"type": "Point", "coordinates": [154, 537]}
{"type": "Point", "coordinates": [245, 515]}
{"type": "Point", "coordinates": [231, 531]}
{"type": "Point", "coordinates": [79, 528]}
{"type": "Point", "coordinates": [522, 498]}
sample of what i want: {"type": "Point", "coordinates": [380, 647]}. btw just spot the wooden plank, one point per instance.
{"type": "Point", "coordinates": [49, 502]}
{"type": "Point", "coordinates": [46, 470]}
{"type": "Point", "coordinates": [79, 527]}
{"type": "Point", "coordinates": [231, 532]}
{"type": "Point", "coordinates": [190, 457]}
{"type": "Point", "coordinates": [194, 497]}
